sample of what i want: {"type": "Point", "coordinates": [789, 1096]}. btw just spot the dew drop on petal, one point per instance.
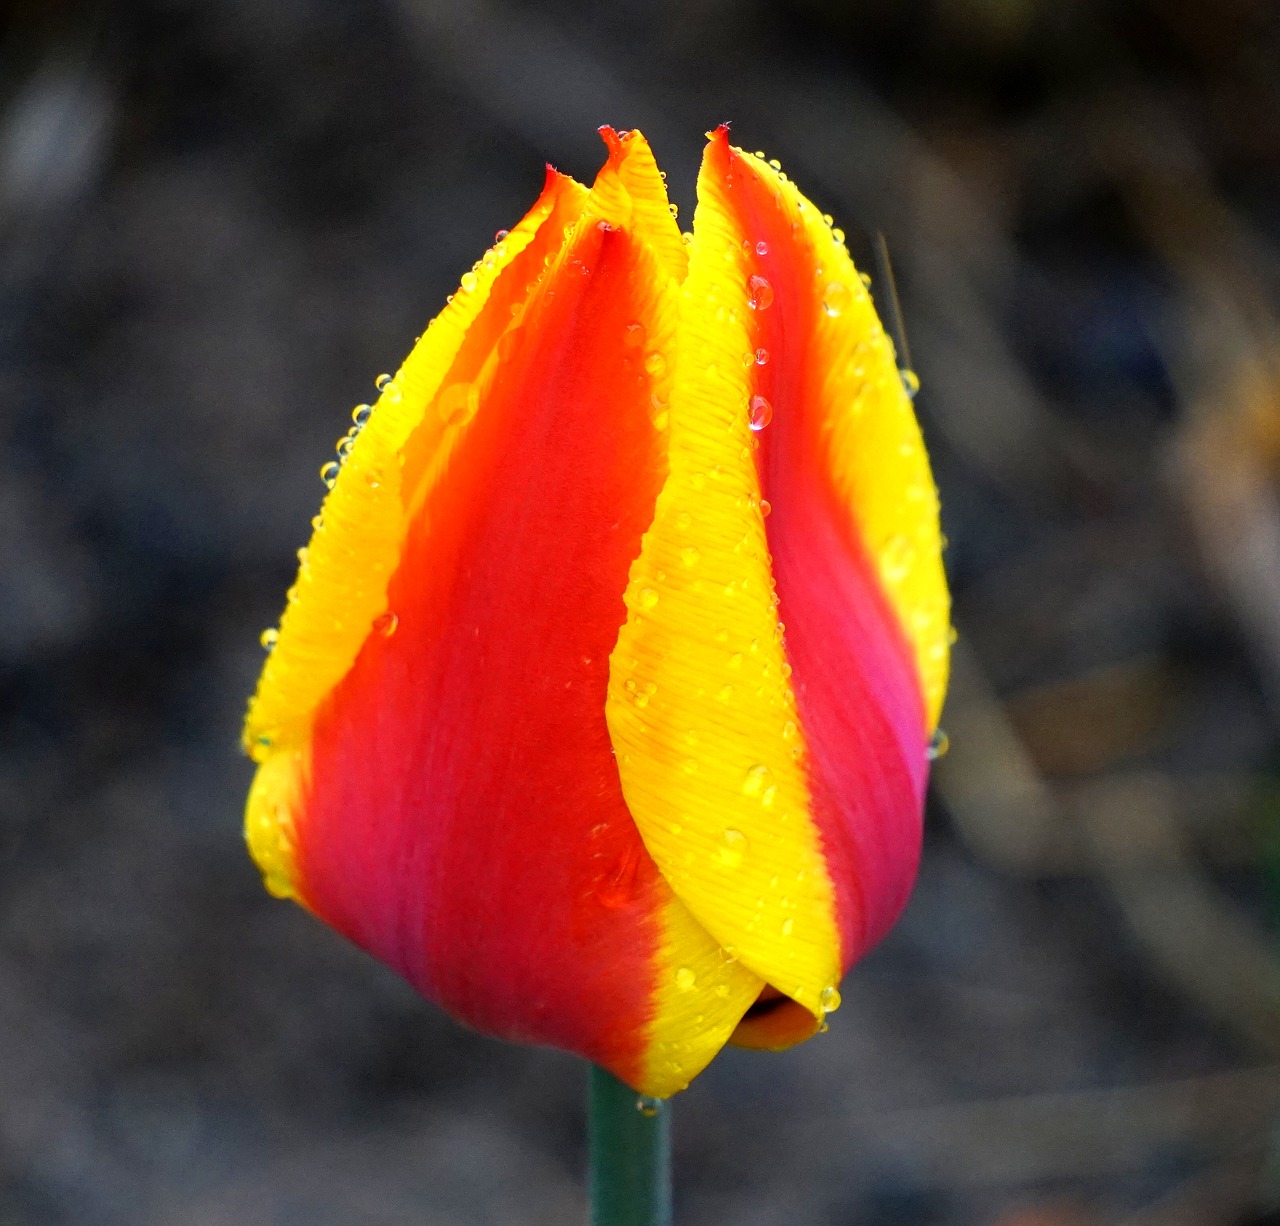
{"type": "Point", "coordinates": [829, 999]}
{"type": "Point", "coordinates": [910, 383]}
{"type": "Point", "coordinates": [386, 623]}
{"type": "Point", "coordinates": [762, 248]}
{"type": "Point", "coordinates": [361, 413]}
{"type": "Point", "coordinates": [655, 364]}
{"type": "Point", "coordinates": [760, 413]}
{"type": "Point", "coordinates": [457, 403]}
{"type": "Point", "coordinates": [647, 597]}
{"type": "Point", "coordinates": [896, 557]}
{"type": "Point", "coordinates": [686, 980]}
{"type": "Point", "coordinates": [939, 743]}
{"type": "Point", "coordinates": [269, 637]}
{"type": "Point", "coordinates": [757, 779]}
{"type": "Point", "coordinates": [329, 473]}
{"type": "Point", "coordinates": [835, 298]}
{"type": "Point", "coordinates": [381, 381]}
{"type": "Point", "coordinates": [648, 1107]}
{"type": "Point", "coordinates": [762, 357]}
{"type": "Point", "coordinates": [733, 847]}
{"type": "Point", "coordinates": [468, 281]}
{"type": "Point", "coordinates": [761, 293]}
{"type": "Point", "coordinates": [766, 508]}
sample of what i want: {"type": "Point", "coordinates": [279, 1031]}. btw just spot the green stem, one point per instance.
{"type": "Point", "coordinates": [630, 1155]}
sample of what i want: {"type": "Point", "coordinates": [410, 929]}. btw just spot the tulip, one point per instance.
{"type": "Point", "coordinates": [601, 707]}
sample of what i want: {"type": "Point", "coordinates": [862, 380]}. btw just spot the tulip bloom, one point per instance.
{"type": "Point", "coordinates": [600, 708]}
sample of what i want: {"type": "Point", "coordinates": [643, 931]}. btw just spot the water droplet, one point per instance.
{"type": "Point", "coordinates": [655, 364]}
{"type": "Point", "coordinates": [757, 779]}
{"type": "Point", "coordinates": [762, 248]}
{"type": "Point", "coordinates": [269, 637]}
{"type": "Point", "coordinates": [500, 235]}
{"type": "Point", "coordinates": [766, 508]}
{"type": "Point", "coordinates": [777, 165]}
{"type": "Point", "coordinates": [689, 556]}
{"type": "Point", "coordinates": [674, 210]}
{"type": "Point", "coordinates": [837, 234]}
{"type": "Point", "coordinates": [865, 278]}
{"type": "Point", "coordinates": [648, 1107]}
{"type": "Point", "coordinates": [761, 292]}
{"type": "Point", "coordinates": [647, 597]}
{"type": "Point", "coordinates": [381, 381]}
{"type": "Point", "coordinates": [760, 413]}
{"type": "Point", "coordinates": [386, 623]}
{"type": "Point", "coordinates": [939, 743]}
{"type": "Point", "coordinates": [329, 473]}
{"type": "Point", "coordinates": [831, 221]}
{"type": "Point", "coordinates": [762, 357]}
{"type": "Point", "coordinates": [788, 927]}
{"type": "Point", "coordinates": [733, 847]}
{"type": "Point", "coordinates": [458, 403]}
{"type": "Point", "coordinates": [896, 556]}
{"type": "Point", "coordinates": [317, 522]}
{"type": "Point", "coordinates": [361, 414]}
{"type": "Point", "coordinates": [686, 980]}
{"type": "Point", "coordinates": [345, 443]}
{"type": "Point", "coordinates": [468, 281]}
{"type": "Point", "coordinates": [953, 635]}
{"type": "Point", "coordinates": [835, 298]}
{"type": "Point", "coordinates": [910, 383]}
{"type": "Point", "coordinates": [722, 990]}
{"type": "Point", "coordinates": [661, 420]}
{"type": "Point", "coordinates": [829, 999]}
{"type": "Point", "coordinates": [634, 336]}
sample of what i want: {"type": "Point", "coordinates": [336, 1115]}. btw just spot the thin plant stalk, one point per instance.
{"type": "Point", "coordinates": [629, 1151]}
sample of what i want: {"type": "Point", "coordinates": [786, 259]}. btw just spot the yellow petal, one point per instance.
{"type": "Point", "coordinates": [700, 708]}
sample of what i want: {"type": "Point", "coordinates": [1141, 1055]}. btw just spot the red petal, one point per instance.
{"type": "Point", "coordinates": [464, 820]}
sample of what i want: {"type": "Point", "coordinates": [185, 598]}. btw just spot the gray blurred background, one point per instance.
{"type": "Point", "coordinates": [219, 221]}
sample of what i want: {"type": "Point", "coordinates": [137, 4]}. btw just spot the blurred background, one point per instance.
{"type": "Point", "coordinates": [220, 220]}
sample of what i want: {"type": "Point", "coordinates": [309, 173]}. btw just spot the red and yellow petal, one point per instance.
{"type": "Point", "coordinates": [451, 801]}
{"type": "Point", "coordinates": [855, 541]}
{"type": "Point", "coordinates": [776, 773]}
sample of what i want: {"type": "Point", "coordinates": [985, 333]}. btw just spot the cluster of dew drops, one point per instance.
{"type": "Point", "coordinates": [329, 475]}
